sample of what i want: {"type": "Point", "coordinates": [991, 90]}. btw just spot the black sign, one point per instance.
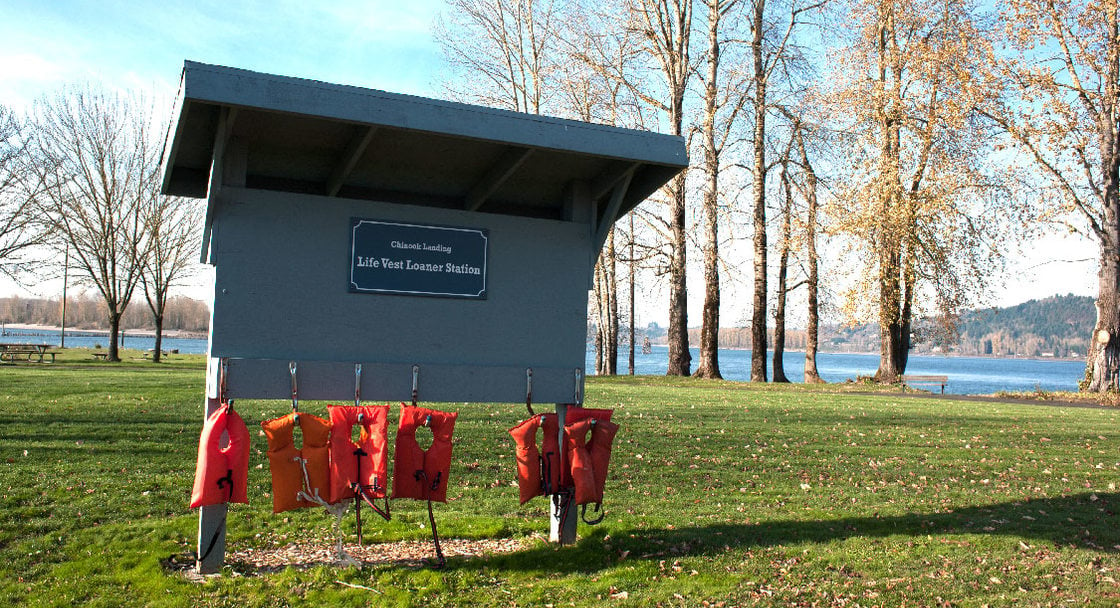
{"type": "Point", "coordinates": [417, 259]}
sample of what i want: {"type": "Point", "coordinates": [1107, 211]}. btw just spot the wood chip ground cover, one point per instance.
{"type": "Point", "coordinates": [720, 494]}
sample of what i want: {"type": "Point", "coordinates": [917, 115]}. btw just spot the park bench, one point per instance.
{"type": "Point", "coordinates": [29, 352]}
{"type": "Point", "coordinates": [926, 381]}
{"type": "Point", "coordinates": [101, 356]}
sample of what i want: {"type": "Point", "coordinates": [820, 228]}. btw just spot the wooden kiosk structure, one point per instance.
{"type": "Point", "coordinates": [443, 247]}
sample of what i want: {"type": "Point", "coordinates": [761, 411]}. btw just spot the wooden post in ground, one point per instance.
{"type": "Point", "coordinates": [562, 522]}
{"type": "Point", "coordinates": [212, 518]}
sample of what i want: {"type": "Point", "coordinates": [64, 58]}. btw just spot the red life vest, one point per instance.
{"type": "Point", "coordinates": [542, 471]}
{"type": "Point", "coordinates": [365, 463]}
{"type": "Point", "coordinates": [418, 473]}
{"type": "Point", "coordinates": [589, 457]}
{"type": "Point", "coordinates": [284, 460]}
{"type": "Point", "coordinates": [529, 461]}
{"type": "Point", "coordinates": [222, 474]}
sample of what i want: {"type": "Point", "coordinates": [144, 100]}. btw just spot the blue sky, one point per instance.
{"type": "Point", "coordinates": [377, 43]}
{"type": "Point", "coordinates": [389, 45]}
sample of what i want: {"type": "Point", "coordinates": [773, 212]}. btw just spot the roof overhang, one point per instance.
{"type": "Point", "coordinates": [306, 136]}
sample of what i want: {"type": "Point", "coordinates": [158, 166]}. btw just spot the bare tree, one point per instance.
{"type": "Point", "coordinates": [784, 245]}
{"type": "Point", "coordinates": [769, 44]}
{"type": "Point", "coordinates": [168, 252]}
{"type": "Point", "coordinates": [606, 298]}
{"type": "Point", "coordinates": [1065, 117]}
{"type": "Point", "coordinates": [94, 161]}
{"type": "Point", "coordinates": [22, 230]}
{"type": "Point", "coordinates": [664, 28]}
{"type": "Point", "coordinates": [725, 93]}
{"type": "Point", "coordinates": [809, 192]}
{"type": "Point", "coordinates": [504, 51]}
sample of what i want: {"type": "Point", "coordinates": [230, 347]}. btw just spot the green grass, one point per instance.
{"type": "Point", "coordinates": [719, 492]}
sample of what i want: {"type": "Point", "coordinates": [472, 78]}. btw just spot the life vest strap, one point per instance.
{"type": "Point", "coordinates": [420, 475]}
{"type": "Point", "coordinates": [598, 508]}
{"type": "Point", "coordinates": [364, 493]}
{"type": "Point", "coordinates": [228, 479]}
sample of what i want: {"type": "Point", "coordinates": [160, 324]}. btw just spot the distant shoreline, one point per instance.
{"type": "Point", "coordinates": [876, 353]}
{"type": "Point", "coordinates": [24, 329]}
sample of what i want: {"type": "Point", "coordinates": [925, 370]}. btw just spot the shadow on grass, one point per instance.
{"type": "Point", "coordinates": [1081, 520]}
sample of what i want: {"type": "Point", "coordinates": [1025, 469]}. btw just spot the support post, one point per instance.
{"type": "Point", "coordinates": [212, 518]}
{"type": "Point", "coordinates": [562, 525]}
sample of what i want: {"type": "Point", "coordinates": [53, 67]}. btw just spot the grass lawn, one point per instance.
{"type": "Point", "coordinates": [720, 494]}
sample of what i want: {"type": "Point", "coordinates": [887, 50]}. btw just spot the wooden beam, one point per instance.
{"type": "Point", "coordinates": [606, 180]}
{"type": "Point", "coordinates": [606, 220]}
{"type": "Point", "coordinates": [226, 118]}
{"type": "Point", "coordinates": [349, 159]}
{"type": "Point", "coordinates": [497, 175]}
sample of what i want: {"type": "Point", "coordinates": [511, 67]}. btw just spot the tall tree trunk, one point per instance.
{"type": "Point", "coordinates": [157, 353]}
{"type": "Point", "coordinates": [709, 329]}
{"type": "Point", "coordinates": [114, 335]}
{"type": "Point", "coordinates": [599, 318]}
{"type": "Point", "coordinates": [680, 359]}
{"type": "Point", "coordinates": [611, 275]}
{"type": "Point", "coordinates": [1103, 362]}
{"type": "Point", "coordinates": [894, 331]}
{"type": "Point", "coordinates": [783, 273]}
{"type": "Point", "coordinates": [633, 320]}
{"type": "Point", "coordinates": [758, 318]}
{"type": "Point", "coordinates": [811, 374]}
{"type": "Point", "coordinates": [667, 29]}
{"type": "Point", "coordinates": [890, 328]}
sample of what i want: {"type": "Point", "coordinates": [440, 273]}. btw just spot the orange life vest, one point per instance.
{"type": "Point", "coordinates": [284, 460]}
{"type": "Point", "coordinates": [589, 457]}
{"type": "Point", "coordinates": [529, 461]}
{"type": "Point", "coordinates": [365, 463]}
{"type": "Point", "coordinates": [418, 473]}
{"type": "Point", "coordinates": [222, 474]}
{"type": "Point", "coordinates": [541, 471]}
{"type": "Point", "coordinates": [575, 414]}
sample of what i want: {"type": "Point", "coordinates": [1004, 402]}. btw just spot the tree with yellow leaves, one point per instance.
{"type": "Point", "coordinates": [917, 199]}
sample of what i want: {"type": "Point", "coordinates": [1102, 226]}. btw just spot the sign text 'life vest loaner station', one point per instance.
{"type": "Point", "coordinates": [397, 249]}
{"type": "Point", "coordinates": [417, 260]}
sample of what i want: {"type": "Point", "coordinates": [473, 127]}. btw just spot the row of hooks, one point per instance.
{"type": "Point", "coordinates": [293, 369]}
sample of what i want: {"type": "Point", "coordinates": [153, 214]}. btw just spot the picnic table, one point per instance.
{"type": "Point", "coordinates": [30, 352]}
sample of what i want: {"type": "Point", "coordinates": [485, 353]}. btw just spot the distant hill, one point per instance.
{"type": "Point", "coordinates": [1057, 326]}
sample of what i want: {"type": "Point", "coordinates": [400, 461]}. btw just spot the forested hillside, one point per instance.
{"type": "Point", "coordinates": [1058, 326]}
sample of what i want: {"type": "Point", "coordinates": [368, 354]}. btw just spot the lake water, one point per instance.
{"type": "Point", "coordinates": [87, 339]}
{"type": "Point", "coordinates": [967, 375]}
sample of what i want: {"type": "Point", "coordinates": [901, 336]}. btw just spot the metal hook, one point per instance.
{"type": "Point", "coordinates": [223, 371]}
{"type": "Point", "coordinates": [357, 384]}
{"type": "Point", "coordinates": [295, 388]}
{"type": "Point", "coordinates": [579, 386]}
{"type": "Point", "coordinates": [529, 391]}
{"type": "Point", "coordinates": [415, 384]}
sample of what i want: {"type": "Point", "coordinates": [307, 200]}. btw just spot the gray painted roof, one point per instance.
{"type": "Point", "coordinates": [308, 136]}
